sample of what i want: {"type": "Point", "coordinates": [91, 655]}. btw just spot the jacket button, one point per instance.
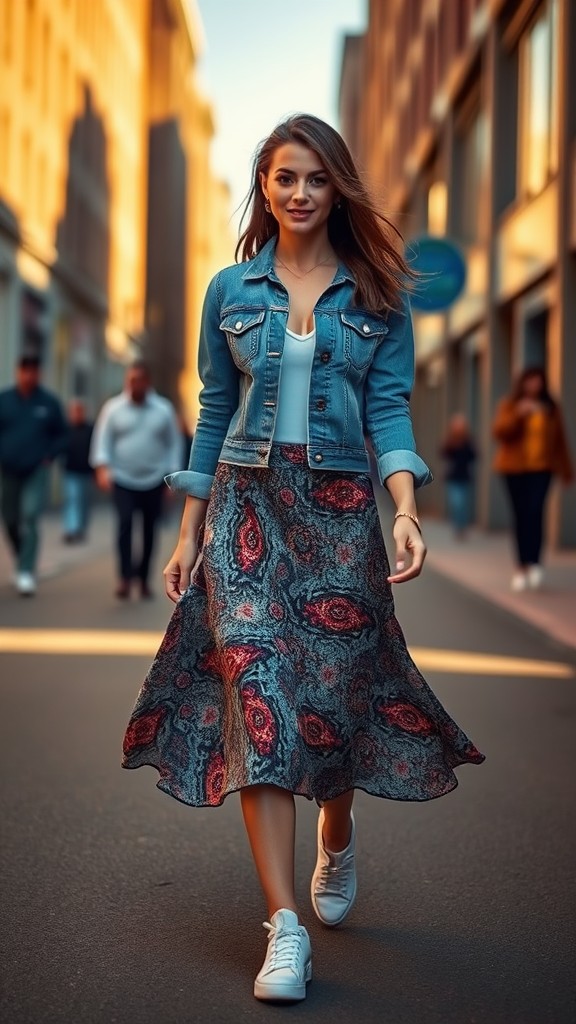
{"type": "Point", "coordinates": [262, 452]}
{"type": "Point", "coordinates": [318, 458]}
{"type": "Point", "coordinates": [321, 404]}
{"type": "Point", "coordinates": [325, 357]}
{"type": "Point", "coordinates": [366, 329]}
{"type": "Point", "coordinates": [238, 325]}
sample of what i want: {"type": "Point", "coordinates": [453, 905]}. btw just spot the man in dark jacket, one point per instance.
{"type": "Point", "coordinates": [33, 432]}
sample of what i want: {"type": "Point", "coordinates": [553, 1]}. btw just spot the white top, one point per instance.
{"type": "Point", "coordinates": [294, 388]}
{"type": "Point", "coordinates": [140, 443]}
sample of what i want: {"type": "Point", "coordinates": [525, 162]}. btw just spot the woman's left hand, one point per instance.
{"type": "Point", "coordinates": [410, 550]}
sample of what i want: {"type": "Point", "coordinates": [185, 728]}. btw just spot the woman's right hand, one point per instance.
{"type": "Point", "coordinates": [179, 568]}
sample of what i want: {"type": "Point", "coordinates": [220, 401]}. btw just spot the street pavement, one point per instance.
{"type": "Point", "coordinates": [122, 906]}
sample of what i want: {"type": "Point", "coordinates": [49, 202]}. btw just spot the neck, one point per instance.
{"type": "Point", "coordinates": [303, 252]}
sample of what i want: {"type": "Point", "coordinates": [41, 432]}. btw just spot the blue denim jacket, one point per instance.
{"type": "Point", "coordinates": [361, 378]}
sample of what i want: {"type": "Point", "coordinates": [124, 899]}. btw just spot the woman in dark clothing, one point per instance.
{"type": "Point", "coordinates": [459, 454]}
{"type": "Point", "coordinates": [77, 474]}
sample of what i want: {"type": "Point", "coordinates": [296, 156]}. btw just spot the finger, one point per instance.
{"type": "Point", "coordinates": [402, 555]}
{"type": "Point", "coordinates": [173, 579]}
{"type": "Point", "coordinates": [403, 577]}
{"type": "Point", "coordinates": [172, 587]}
{"type": "Point", "coordinates": [414, 569]}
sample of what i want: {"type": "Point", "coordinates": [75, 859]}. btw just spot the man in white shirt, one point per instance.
{"type": "Point", "coordinates": [136, 443]}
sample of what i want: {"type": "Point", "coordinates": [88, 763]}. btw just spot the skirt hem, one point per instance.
{"type": "Point", "coordinates": [165, 787]}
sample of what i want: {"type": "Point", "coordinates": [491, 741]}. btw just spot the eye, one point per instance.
{"type": "Point", "coordinates": [320, 182]}
{"type": "Point", "coordinates": [284, 179]}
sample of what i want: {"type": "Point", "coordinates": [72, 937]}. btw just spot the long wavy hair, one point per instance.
{"type": "Point", "coordinates": [534, 371]}
{"type": "Point", "coordinates": [361, 236]}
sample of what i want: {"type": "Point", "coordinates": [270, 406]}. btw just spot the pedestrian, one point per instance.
{"type": "Point", "coordinates": [136, 442]}
{"type": "Point", "coordinates": [532, 449]}
{"type": "Point", "coordinates": [459, 454]}
{"type": "Point", "coordinates": [77, 480]}
{"type": "Point", "coordinates": [283, 669]}
{"type": "Point", "coordinates": [33, 433]}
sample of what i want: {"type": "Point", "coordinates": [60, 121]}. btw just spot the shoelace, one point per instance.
{"type": "Point", "coordinates": [331, 878]}
{"type": "Point", "coordinates": [284, 947]}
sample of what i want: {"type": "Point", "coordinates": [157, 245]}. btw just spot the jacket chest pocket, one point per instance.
{"type": "Point", "coordinates": [242, 329]}
{"type": "Point", "coordinates": [362, 333]}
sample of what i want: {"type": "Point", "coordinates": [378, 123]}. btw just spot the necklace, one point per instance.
{"type": "Point", "coordinates": [305, 274]}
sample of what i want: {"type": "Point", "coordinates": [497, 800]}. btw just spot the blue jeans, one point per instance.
{"type": "Point", "coordinates": [76, 502]}
{"type": "Point", "coordinates": [458, 495]}
{"type": "Point", "coordinates": [23, 499]}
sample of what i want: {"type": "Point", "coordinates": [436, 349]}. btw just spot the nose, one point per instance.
{"type": "Point", "coordinates": [300, 196]}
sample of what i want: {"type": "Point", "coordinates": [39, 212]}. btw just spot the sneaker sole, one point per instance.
{"type": "Point", "coordinates": [279, 993]}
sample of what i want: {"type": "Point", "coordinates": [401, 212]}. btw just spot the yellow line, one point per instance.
{"type": "Point", "coordinates": [126, 642]}
{"type": "Point", "coordinates": [434, 660]}
{"type": "Point", "coordinates": [78, 641]}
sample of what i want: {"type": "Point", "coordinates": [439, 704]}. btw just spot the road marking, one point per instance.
{"type": "Point", "coordinates": [136, 642]}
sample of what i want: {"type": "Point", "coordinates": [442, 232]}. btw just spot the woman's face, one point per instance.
{"type": "Point", "coordinates": [300, 192]}
{"type": "Point", "coordinates": [533, 386]}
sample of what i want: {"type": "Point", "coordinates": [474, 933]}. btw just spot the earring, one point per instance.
{"type": "Point", "coordinates": [267, 206]}
{"type": "Point", "coordinates": [338, 204]}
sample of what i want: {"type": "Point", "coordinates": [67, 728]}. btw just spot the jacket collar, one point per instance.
{"type": "Point", "coordinates": [262, 265]}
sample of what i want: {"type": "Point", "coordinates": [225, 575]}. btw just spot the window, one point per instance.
{"type": "Point", "coordinates": [45, 58]}
{"type": "Point", "coordinates": [4, 149]}
{"type": "Point", "coordinates": [537, 114]}
{"type": "Point", "coordinates": [30, 28]}
{"type": "Point", "coordinates": [472, 155]}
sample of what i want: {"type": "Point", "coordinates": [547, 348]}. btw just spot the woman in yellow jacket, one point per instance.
{"type": "Point", "coordinates": [532, 449]}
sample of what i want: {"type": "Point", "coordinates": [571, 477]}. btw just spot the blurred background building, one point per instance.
{"type": "Point", "coordinates": [111, 222]}
{"type": "Point", "coordinates": [463, 113]}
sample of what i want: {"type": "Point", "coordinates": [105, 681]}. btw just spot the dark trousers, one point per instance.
{"type": "Point", "coordinates": [527, 492]}
{"type": "Point", "coordinates": [149, 505]}
{"type": "Point", "coordinates": [23, 499]}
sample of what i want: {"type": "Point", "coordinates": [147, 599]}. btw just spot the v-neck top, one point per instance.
{"type": "Point", "coordinates": [291, 425]}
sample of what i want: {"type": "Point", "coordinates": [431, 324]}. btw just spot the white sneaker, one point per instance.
{"type": "Point", "coordinates": [25, 584]}
{"type": "Point", "coordinates": [287, 966]}
{"type": "Point", "coordinates": [535, 576]}
{"type": "Point", "coordinates": [333, 888]}
{"type": "Point", "coordinates": [519, 582]}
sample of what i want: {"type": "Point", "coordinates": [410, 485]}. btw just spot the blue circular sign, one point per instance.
{"type": "Point", "coordinates": [442, 273]}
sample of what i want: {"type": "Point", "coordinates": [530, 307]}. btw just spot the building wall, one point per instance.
{"type": "Point", "coordinates": [468, 129]}
{"type": "Point", "coordinates": [106, 243]}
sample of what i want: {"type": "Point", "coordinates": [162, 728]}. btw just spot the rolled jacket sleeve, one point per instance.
{"type": "Point", "coordinates": [218, 400]}
{"type": "Point", "coordinates": [388, 388]}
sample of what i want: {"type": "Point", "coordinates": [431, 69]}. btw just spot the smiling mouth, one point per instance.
{"type": "Point", "coordinates": [300, 213]}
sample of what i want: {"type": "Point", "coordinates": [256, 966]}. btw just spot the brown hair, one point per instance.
{"type": "Point", "coordinates": [361, 236]}
{"type": "Point", "coordinates": [533, 371]}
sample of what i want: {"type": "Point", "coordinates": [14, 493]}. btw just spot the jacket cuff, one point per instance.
{"type": "Point", "coordinates": [187, 481]}
{"type": "Point", "coordinates": [403, 460]}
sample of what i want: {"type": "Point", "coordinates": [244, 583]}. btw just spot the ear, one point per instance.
{"type": "Point", "coordinates": [263, 181]}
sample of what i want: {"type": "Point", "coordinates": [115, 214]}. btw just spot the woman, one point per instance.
{"type": "Point", "coordinates": [532, 448]}
{"type": "Point", "coordinates": [459, 455]}
{"type": "Point", "coordinates": [283, 669]}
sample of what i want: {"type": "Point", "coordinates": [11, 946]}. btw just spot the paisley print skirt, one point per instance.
{"type": "Point", "coordinates": [283, 662]}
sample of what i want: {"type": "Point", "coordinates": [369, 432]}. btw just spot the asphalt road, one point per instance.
{"type": "Point", "coordinates": [122, 906]}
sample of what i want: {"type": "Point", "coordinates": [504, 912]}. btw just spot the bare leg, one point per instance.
{"type": "Point", "coordinates": [337, 824]}
{"type": "Point", "coordinates": [270, 820]}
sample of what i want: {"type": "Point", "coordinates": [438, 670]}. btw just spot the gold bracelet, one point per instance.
{"type": "Point", "coordinates": [409, 516]}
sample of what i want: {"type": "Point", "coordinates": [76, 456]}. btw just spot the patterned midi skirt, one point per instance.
{"type": "Point", "coordinates": [283, 662]}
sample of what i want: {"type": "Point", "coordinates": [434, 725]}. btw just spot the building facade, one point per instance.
{"type": "Point", "coordinates": [467, 130]}
{"type": "Point", "coordinates": [106, 193]}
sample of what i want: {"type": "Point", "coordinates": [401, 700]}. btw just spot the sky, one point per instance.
{"type": "Point", "coordinates": [264, 59]}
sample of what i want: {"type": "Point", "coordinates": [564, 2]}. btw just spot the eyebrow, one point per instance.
{"type": "Point", "coordinates": [289, 170]}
